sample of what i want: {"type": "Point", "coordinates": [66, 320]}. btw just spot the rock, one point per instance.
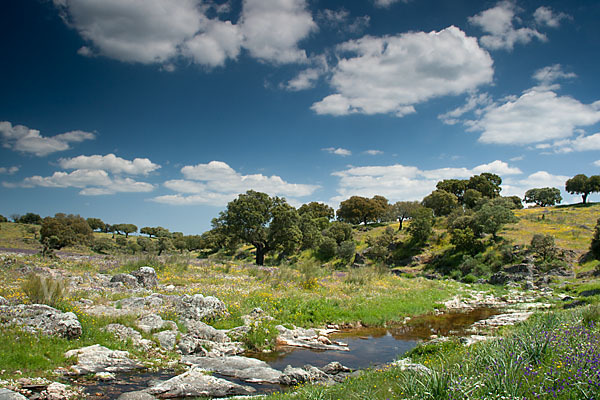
{"type": "Point", "coordinates": [195, 383]}
{"type": "Point", "coordinates": [105, 376]}
{"type": "Point", "coordinates": [334, 368]}
{"type": "Point", "coordinates": [139, 395]}
{"type": "Point", "coordinates": [146, 277]}
{"type": "Point", "coordinates": [306, 338]}
{"type": "Point", "coordinates": [244, 368]}
{"type": "Point", "coordinates": [190, 344]}
{"type": "Point", "coordinates": [152, 301]}
{"type": "Point", "coordinates": [6, 394]}
{"type": "Point", "coordinates": [472, 339]}
{"type": "Point", "coordinates": [255, 316]}
{"type": "Point", "coordinates": [204, 331]}
{"type": "Point", "coordinates": [198, 307]}
{"type": "Point", "coordinates": [576, 303]}
{"type": "Point", "coordinates": [406, 364]}
{"type": "Point", "coordinates": [562, 272]}
{"type": "Point", "coordinates": [308, 374]}
{"type": "Point", "coordinates": [588, 293]}
{"type": "Point", "coordinates": [153, 322]}
{"type": "Point", "coordinates": [41, 318]}
{"type": "Point", "coordinates": [167, 339]}
{"type": "Point", "coordinates": [500, 320]}
{"type": "Point", "coordinates": [524, 269]}
{"type": "Point", "coordinates": [125, 333]}
{"type": "Point", "coordinates": [125, 279]}
{"type": "Point", "coordinates": [3, 301]}
{"type": "Point", "coordinates": [57, 391]}
{"type": "Point", "coordinates": [97, 358]}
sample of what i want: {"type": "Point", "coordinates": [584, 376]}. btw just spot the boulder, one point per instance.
{"type": "Point", "coordinates": [146, 277]}
{"type": "Point", "coordinates": [125, 279]}
{"type": "Point", "coordinates": [125, 333]}
{"type": "Point", "coordinates": [198, 307]}
{"type": "Point", "coordinates": [41, 318]}
{"type": "Point", "coordinates": [195, 383]}
{"type": "Point", "coordinates": [167, 339]}
{"type": "Point", "coordinates": [96, 358]}
{"type": "Point", "coordinates": [406, 364]}
{"type": "Point", "coordinates": [139, 395]}
{"type": "Point", "coordinates": [244, 368]}
{"type": "Point", "coordinates": [191, 344]}
{"type": "Point", "coordinates": [6, 394]}
{"type": "Point", "coordinates": [58, 391]}
{"type": "Point", "coordinates": [204, 331]}
{"type": "Point", "coordinates": [154, 322]}
{"type": "Point", "coordinates": [152, 301]}
{"type": "Point", "coordinates": [307, 338]}
{"type": "Point", "coordinates": [308, 374]}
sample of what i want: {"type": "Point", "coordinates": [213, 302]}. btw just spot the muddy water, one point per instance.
{"type": "Point", "coordinates": [367, 347]}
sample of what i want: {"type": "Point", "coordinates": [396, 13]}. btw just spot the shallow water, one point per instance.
{"type": "Point", "coordinates": [367, 347]}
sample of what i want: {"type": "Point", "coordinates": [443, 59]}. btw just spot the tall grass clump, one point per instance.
{"type": "Point", "coordinates": [44, 290]}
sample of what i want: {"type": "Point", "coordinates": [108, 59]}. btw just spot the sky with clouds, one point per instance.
{"type": "Point", "coordinates": [159, 112]}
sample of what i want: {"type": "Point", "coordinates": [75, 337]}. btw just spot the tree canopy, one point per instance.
{"type": "Point", "coordinates": [359, 209]}
{"type": "Point", "coordinates": [441, 202]}
{"type": "Point", "coordinates": [317, 210]}
{"type": "Point", "coordinates": [96, 224]}
{"type": "Point", "coordinates": [402, 210]}
{"type": "Point", "coordinates": [64, 230]}
{"type": "Point", "coordinates": [268, 223]}
{"type": "Point", "coordinates": [30, 218]}
{"type": "Point", "coordinates": [581, 184]}
{"type": "Point", "coordinates": [543, 196]}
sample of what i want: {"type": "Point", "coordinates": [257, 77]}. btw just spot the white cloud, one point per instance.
{"type": "Point", "coordinates": [387, 3]}
{"type": "Point", "coordinates": [273, 29]}
{"type": "Point", "coordinates": [393, 73]}
{"type": "Point", "coordinates": [90, 181]}
{"type": "Point", "coordinates": [373, 152]}
{"type": "Point", "coordinates": [536, 116]}
{"type": "Point", "coordinates": [474, 101]}
{"type": "Point", "coordinates": [401, 182]}
{"type": "Point", "coordinates": [161, 31]}
{"type": "Point", "coordinates": [540, 179]}
{"type": "Point", "coordinates": [26, 140]}
{"type": "Point", "coordinates": [498, 23]}
{"type": "Point", "coordinates": [580, 143]}
{"type": "Point", "coordinates": [216, 183]}
{"type": "Point", "coordinates": [306, 79]}
{"type": "Point", "coordinates": [9, 170]}
{"type": "Point", "coordinates": [546, 17]}
{"type": "Point", "coordinates": [596, 163]}
{"type": "Point", "coordinates": [551, 73]}
{"type": "Point", "coordinates": [338, 151]}
{"type": "Point", "coordinates": [341, 20]}
{"type": "Point", "coordinates": [110, 162]}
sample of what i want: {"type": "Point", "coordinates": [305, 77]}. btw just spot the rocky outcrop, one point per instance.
{"type": "Point", "coordinates": [41, 318]}
{"type": "Point", "coordinates": [308, 374]}
{"type": "Point", "coordinates": [125, 279]}
{"type": "Point", "coordinates": [96, 358]}
{"type": "Point", "coordinates": [406, 364]}
{"type": "Point", "coordinates": [154, 322]}
{"type": "Point", "coordinates": [146, 277]}
{"type": "Point", "coordinates": [191, 344]}
{"type": "Point", "coordinates": [195, 383]}
{"type": "Point", "coordinates": [58, 391]}
{"type": "Point", "coordinates": [138, 395]}
{"type": "Point", "coordinates": [308, 338]}
{"type": "Point", "coordinates": [125, 333]}
{"type": "Point", "coordinates": [198, 307]}
{"type": "Point", "coordinates": [167, 339]}
{"type": "Point", "coordinates": [6, 394]}
{"type": "Point", "coordinates": [244, 368]}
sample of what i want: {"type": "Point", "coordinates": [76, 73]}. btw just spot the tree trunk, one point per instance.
{"type": "Point", "coordinates": [584, 197]}
{"type": "Point", "coordinates": [400, 220]}
{"type": "Point", "coordinates": [261, 250]}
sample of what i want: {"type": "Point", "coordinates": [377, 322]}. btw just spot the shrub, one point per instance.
{"type": "Point", "coordinates": [44, 290]}
{"type": "Point", "coordinates": [327, 249]}
{"type": "Point", "coordinates": [103, 245]}
{"type": "Point", "coordinates": [595, 245]}
{"type": "Point", "coordinates": [469, 278]}
{"type": "Point", "coordinates": [346, 250]}
{"type": "Point", "coordinates": [261, 336]}
{"type": "Point", "coordinates": [591, 315]}
{"type": "Point", "coordinates": [543, 246]}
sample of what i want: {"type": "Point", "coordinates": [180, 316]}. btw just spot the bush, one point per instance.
{"type": "Point", "coordinates": [44, 290]}
{"type": "Point", "coordinates": [327, 249]}
{"type": "Point", "coordinates": [261, 336]}
{"type": "Point", "coordinates": [103, 245]}
{"type": "Point", "coordinates": [595, 245]}
{"type": "Point", "coordinates": [346, 250]}
{"type": "Point", "coordinates": [543, 246]}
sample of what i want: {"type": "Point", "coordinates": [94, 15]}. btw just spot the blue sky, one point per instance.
{"type": "Point", "coordinates": [159, 112]}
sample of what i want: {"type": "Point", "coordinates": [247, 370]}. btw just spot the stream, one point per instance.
{"type": "Point", "coordinates": [368, 347]}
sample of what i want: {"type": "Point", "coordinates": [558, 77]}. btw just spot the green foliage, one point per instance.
{"type": "Point", "coordinates": [64, 230]}
{"type": "Point", "coordinates": [581, 184]}
{"type": "Point", "coordinates": [441, 202]}
{"type": "Point", "coordinates": [543, 197]}
{"type": "Point", "coordinates": [311, 234]}
{"type": "Point", "coordinates": [96, 224]}
{"type": "Point", "coordinates": [44, 290]}
{"type": "Point", "coordinates": [327, 248]}
{"type": "Point", "coordinates": [492, 217]}
{"type": "Point", "coordinates": [3, 218]}
{"type": "Point", "coordinates": [471, 198]}
{"type": "Point", "coordinates": [595, 245]}
{"type": "Point", "coordinates": [543, 246]}
{"type": "Point", "coordinates": [261, 336]}
{"type": "Point", "coordinates": [464, 239]}
{"type": "Point", "coordinates": [346, 250]}
{"type": "Point", "coordinates": [30, 218]}
{"type": "Point", "coordinates": [486, 183]}
{"type": "Point", "coordinates": [339, 231]}
{"type": "Point", "coordinates": [316, 210]}
{"type": "Point", "coordinates": [379, 246]}
{"type": "Point", "coordinates": [146, 244]}
{"type": "Point", "coordinates": [268, 223]}
{"type": "Point", "coordinates": [403, 210]}
{"type": "Point", "coordinates": [457, 187]}
{"type": "Point", "coordinates": [126, 229]}
{"type": "Point", "coordinates": [359, 209]}
{"type": "Point", "coordinates": [103, 245]}
{"type": "Point", "coordinates": [421, 225]}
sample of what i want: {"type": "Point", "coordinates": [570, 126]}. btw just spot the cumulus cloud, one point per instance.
{"type": "Point", "coordinates": [474, 101]}
{"type": "Point", "coordinates": [517, 187]}
{"type": "Point", "coordinates": [26, 140]}
{"type": "Point", "coordinates": [160, 31]}
{"type": "Point", "coordinates": [550, 74]}
{"type": "Point", "coordinates": [580, 143]}
{"type": "Point", "coordinates": [216, 183]}
{"type": "Point", "coordinates": [110, 162]}
{"type": "Point", "coordinates": [544, 16]}
{"type": "Point", "coordinates": [401, 182]}
{"type": "Point", "coordinates": [9, 170]}
{"type": "Point", "coordinates": [497, 22]}
{"type": "Point", "coordinates": [90, 181]}
{"type": "Point", "coordinates": [373, 152]}
{"type": "Point", "coordinates": [534, 117]}
{"type": "Point", "coordinates": [338, 151]}
{"type": "Point", "coordinates": [391, 74]}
